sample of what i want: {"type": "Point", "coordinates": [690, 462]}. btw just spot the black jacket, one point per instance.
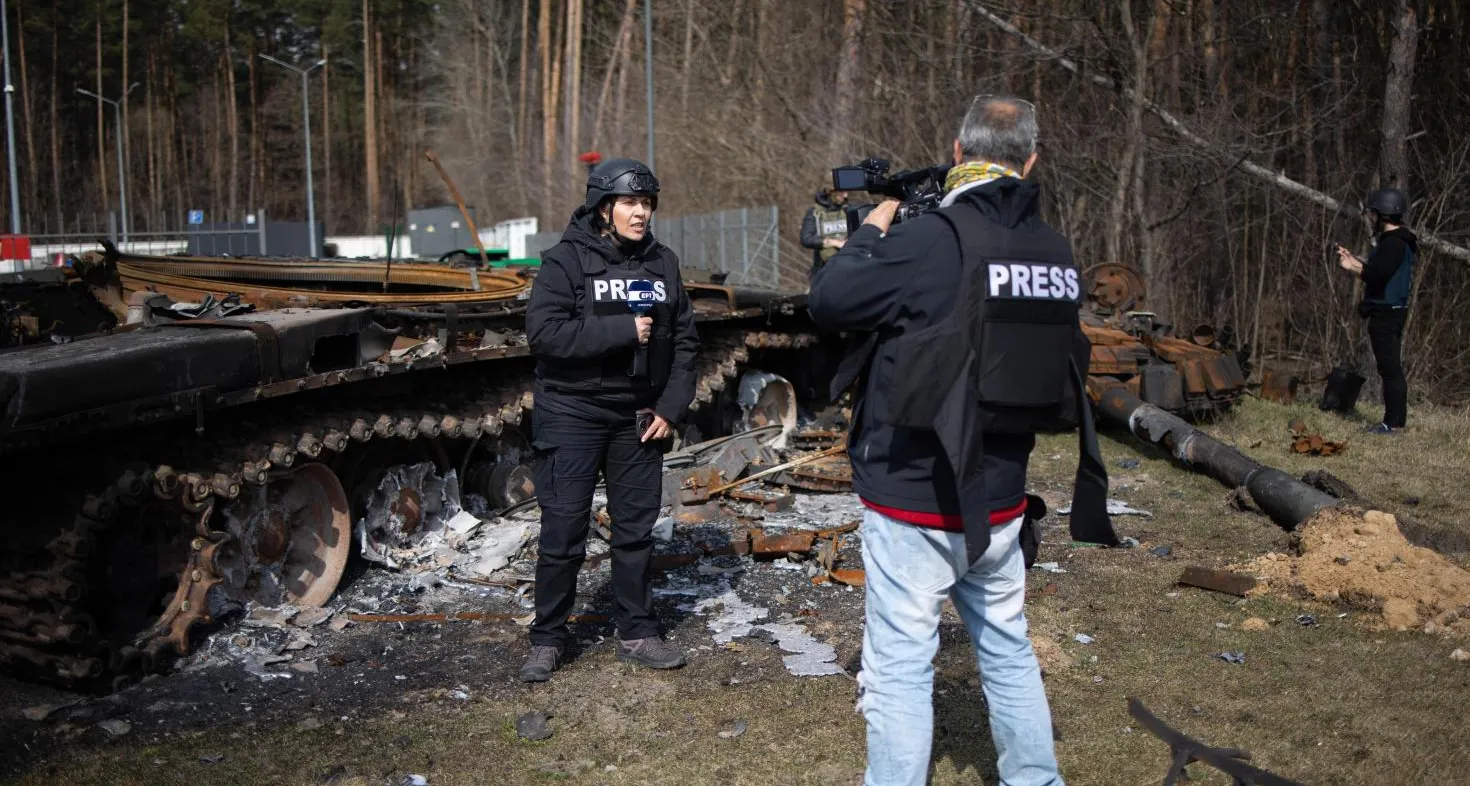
{"type": "Point", "coordinates": [906, 281]}
{"type": "Point", "coordinates": [585, 343]}
{"type": "Point", "coordinates": [1388, 273]}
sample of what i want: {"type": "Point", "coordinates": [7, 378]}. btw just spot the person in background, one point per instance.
{"type": "Point", "coordinates": [1388, 279]}
{"type": "Point", "coordinates": [824, 227]}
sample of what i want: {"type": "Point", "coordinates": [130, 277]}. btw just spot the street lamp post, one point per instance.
{"type": "Point", "coordinates": [306, 132]}
{"type": "Point", "coordinates": [10, 123]}
{"type": "Point", "coordinates": [122, 172]}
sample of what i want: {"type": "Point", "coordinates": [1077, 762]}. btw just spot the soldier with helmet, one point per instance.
{"type": "Point", "coordinates": [824, 227]}
{"type": "Point", "coordinates": [613, 334]}
{"type": "Point", "coordinates": [1388, 277]}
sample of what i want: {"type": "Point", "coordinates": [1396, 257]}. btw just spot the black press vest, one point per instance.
{"type": "Point", "coordinates": [603, 290]}
{"type": "Point", "coordinates": [1009, 358]}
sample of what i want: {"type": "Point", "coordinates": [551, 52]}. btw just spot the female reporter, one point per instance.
{"type": "Point", "coordinates": [613, 335]}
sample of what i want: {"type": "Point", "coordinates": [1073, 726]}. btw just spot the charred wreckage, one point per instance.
{"type": "Point", "coordinates": [183, 437]}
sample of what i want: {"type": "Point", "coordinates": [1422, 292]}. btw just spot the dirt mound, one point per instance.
{"type": "Point", "coordinates": [1365, 561]}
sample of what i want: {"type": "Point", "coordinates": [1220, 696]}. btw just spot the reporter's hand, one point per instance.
{"type": "Point", "coordinates": [833, 242]}
{"type": "Point", "coordinates": [657, 430]}
{"type": "Point", "coordinates": [645, 328]}
{"type": "Point", "coordinates": [882, 215]}
{"type": "Point", "coordinates": [1348, 261]}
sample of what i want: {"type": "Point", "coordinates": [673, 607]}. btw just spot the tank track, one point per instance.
{"type": "Point", "coordinates": [51, 583]}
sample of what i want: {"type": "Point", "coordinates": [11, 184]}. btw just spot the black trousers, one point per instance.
{"type": "Point", "coordinates": [571, 449]}
{"type": "Point", "coordinates": [1386, 334]}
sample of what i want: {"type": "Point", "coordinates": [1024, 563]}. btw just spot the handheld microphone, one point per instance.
{"type": "Point", "coordinates": [640, 302]}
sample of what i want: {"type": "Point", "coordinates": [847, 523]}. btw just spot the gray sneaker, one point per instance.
{"type": "Point", "coordinates": [653, 652]}
{"type": "Point", "coordinates": [544, 660]}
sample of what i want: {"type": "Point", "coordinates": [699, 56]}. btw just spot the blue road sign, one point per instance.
{"type": "Point", "coordinates": [196, 216]}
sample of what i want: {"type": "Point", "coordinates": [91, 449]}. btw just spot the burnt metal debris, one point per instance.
{"type": "Point", "coordinates": [1185, 750]}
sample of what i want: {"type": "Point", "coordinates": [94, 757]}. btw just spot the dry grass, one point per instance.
{"type": "Point", "coordinates": [1332, 704]}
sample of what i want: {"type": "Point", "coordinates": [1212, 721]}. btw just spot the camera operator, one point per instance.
{"type": "Point", "coordinates": [971, 309]}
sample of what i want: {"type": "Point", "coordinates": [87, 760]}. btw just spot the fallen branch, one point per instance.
{"type": "Point", "coordinates": [1277, 179]}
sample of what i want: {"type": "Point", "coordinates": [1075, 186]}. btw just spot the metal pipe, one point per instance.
{"type": "Point", "coordinates": [10, 123]}
{"type": "Point", "coordinates": [1285, 499]}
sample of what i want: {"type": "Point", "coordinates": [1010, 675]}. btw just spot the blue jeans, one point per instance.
{"type": "Point", "coordinates": [910, 571]}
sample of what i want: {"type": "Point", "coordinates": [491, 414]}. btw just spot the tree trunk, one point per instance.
{"type": "Point", "coordinates": [256, 186]}
{"type": "Point", "coordinates": [625, 32]}
{"type": "Point", "coordinates": [232, 118]}
{"type": "Point", "coordinates": [688, 54]}
{"type": "Point", "coordinates": [550, 70]}
{"type": "Point", "coordinates": [522, 102]}
{"type": "Point", "coordinates": [56, 114]}
{"type": "Point", "coordinates": [150, 140]}
{"type": "Point", "coordinates": [326, 141]}
{"type": "Point", "coordinates": [127, 138]}
{"type": "Point", "coordinates": [574, 86]}
{"type": "Point", "coordinates": [847, 74]}
{"type": "Point", "coordinates": [369, 122]}
{"type": "Point", "coordinates": [1393, 157]}
{"type": "Point", "coordinates": [32, 188]}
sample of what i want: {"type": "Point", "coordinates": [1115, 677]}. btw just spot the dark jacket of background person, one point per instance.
{"type": "Point", "coordinates": [812, 236]}
{"type": "Point", "coordinates": [1388, 275]}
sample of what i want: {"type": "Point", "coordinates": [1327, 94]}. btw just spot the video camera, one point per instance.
{"type": "Point", "coordinates": [920, 190]}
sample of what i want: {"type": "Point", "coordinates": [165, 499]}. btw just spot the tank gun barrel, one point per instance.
{"type": "Point", "coordinates": [1285, 499]}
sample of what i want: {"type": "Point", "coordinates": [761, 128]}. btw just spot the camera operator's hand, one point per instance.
{"type": "Point", "coordinates": [882, 215]}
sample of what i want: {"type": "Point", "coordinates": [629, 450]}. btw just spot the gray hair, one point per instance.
{"type": "Point", "coordinates": [1001, 129]}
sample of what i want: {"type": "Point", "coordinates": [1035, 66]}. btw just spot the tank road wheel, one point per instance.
{"type": "Point", "coordinates": [290, 540]}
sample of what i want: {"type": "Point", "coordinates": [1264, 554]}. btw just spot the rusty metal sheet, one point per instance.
{"type": "Point", "coordinates": [853, 577]}
{"type": "Point", "coordinates": [1217, 580]}
{"type": "Point", "coordinates": [269, 284]}
{"type": "Point", "coordinates": [771, 500]}
{"type": "Point", "coordinates": [764, 545]}
{"type": "Point", "coordinates": [1278, 386]}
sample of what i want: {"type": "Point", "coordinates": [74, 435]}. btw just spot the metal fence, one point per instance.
{"type": "Point", "coordinates": [253, 237]}
{"type": "Point", "coordinates": [745, 244]}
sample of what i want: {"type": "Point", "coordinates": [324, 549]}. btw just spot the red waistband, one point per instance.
{"type": "Point", "coordinates": [950, 522]}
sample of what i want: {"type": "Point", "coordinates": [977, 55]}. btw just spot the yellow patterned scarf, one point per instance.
{"type": "Point", "coordinates": [972, 171]}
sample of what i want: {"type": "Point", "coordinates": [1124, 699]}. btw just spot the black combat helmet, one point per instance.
{"type": "Point", "coordinates": [1388, 202]}
{"type": "Point", "coordinates": [621, 177]}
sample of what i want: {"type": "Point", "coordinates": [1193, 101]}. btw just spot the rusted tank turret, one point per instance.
{"type": "Point", "coordinates": [1193, 377]}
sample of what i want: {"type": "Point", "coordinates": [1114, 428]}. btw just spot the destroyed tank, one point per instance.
{"type": "Point", "coordinates": [203, 456]}
{"type": "Point", "coordinates": [1196, 377]}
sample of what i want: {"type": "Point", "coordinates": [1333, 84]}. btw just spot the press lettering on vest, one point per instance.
{"type": "Point", "coordinates": [1034, 282]}
{"type": "Point", "coordinates": [1020, 281]}
{"type": "Point", "coordinates": [604, 289]}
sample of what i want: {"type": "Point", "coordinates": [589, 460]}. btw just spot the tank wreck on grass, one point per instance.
{"type": "Point", "coordinates": [204, 455]}
{"type": "Point", "coordinates": [163, 475]}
